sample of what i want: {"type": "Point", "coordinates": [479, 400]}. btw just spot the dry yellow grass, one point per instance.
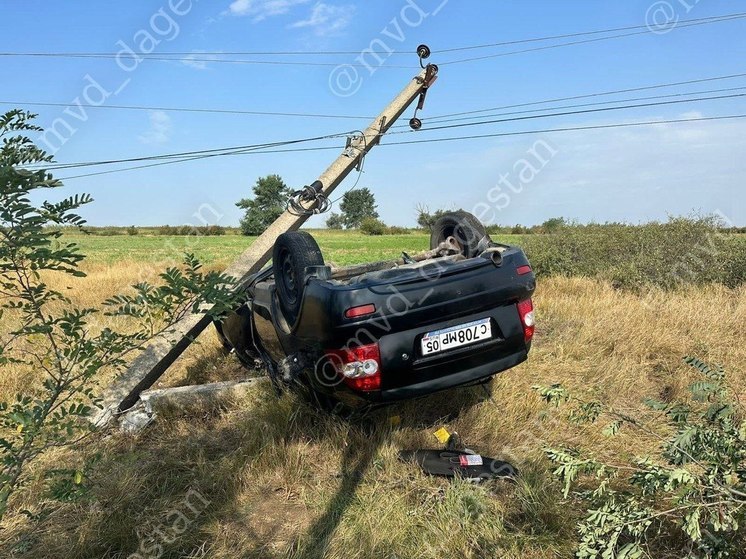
{"type": "Point", "coordinates": [282, 480]}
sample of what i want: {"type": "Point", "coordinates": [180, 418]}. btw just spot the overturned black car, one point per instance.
{"type": "Point", "coordinates": [385, 331]}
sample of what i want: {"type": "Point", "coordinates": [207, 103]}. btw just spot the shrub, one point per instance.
{"type": "Point", "coordinates": [190, 230]}
{"type": "Point", "coordinates": [553, 225]}
{"type": "Point", "coordinates": [52, 342]}
{"type": "Point", "coordinates": [681, 251]}
{"type": "Point", "coordinates": [519, 230]}
{"type": "Point", "coordinates": [498, 230]}
{"type": "Point", "coordinates": [372, 226]}
{"type": "Point", "coordinates": [166, 230]}
{"type": "Point", "coordinates": [734, 261]}
{"type": "Point", "coordinates": [694, 491]}
{"type": "Point", "coordinates": [396, 230]}
{"type": "Point", "coordinates": [132, 231]}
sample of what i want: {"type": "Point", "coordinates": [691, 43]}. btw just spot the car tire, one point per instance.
{"type": "Point", "coordinates": [292, 254]}
{"type": "Point", "coordinates": [462, 226]}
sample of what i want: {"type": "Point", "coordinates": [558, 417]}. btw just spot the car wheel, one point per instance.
{"type": "Point", "coordinates": [293, 253]}
{"type": "Point", "coordinates": [462, 226]}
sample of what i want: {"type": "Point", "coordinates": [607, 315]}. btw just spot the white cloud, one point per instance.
{"type": "Point", "coordinates": [198, 60]}
{"type": "Point", "coordinates": [326, 19]}
{"type": "Point", "coordinates": [262, 9]}
{"type": "Point", "coordinates": [160, 129]}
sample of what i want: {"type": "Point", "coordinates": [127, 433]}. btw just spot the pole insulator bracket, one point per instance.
{"type": "Point", "coordinates": [431, 74]}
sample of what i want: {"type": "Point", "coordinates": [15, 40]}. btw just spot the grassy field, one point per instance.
{"type": "Point", "coordinates": [339, 247]}
{"type": "Point", "coordinates": [275, 478]}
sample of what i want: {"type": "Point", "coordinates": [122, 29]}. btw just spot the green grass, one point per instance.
{"type": "Point", "coordinates": [338, 247]}
{"type": "Point", "coordinates": [156, 248]}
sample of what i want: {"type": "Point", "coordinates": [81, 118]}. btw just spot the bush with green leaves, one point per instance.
{"type": "Point", "coordinates": [58, 347]}
{"type": "Point", "coordinates": [396, 230]}
{"type": "Point", "coordinates": [372, 226]}
{"type": "Point", "coordinates": [553, 225]}
{"type": "Point", "coordinates": [190, 230]}
{"type": "Point", "coordinates": [689, 500]}
{"type": "Point", "coordinates": [681, 251]}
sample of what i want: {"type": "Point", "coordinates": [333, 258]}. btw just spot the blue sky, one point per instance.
{"type": "Point", "coordinates": [620, 174]}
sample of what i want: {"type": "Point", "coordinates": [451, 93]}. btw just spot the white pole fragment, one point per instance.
{"type": "Point", "coordinates": [153, 401]}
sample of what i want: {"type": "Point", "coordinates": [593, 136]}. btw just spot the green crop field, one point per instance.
{"type": "Point", "coordinates": [339, 247]}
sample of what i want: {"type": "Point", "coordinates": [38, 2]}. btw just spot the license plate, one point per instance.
{"type": "Point", "coordinates": [456, 336]}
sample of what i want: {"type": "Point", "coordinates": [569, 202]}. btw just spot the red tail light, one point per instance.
{"type": "Point", "coordinates": [523, 270]}
{"type": "Point", "coordinates": [526, 312]}
{"type": "Point", "coordinates": [362, 310]}
{"type": "Point", "coordinates": [359, 367]}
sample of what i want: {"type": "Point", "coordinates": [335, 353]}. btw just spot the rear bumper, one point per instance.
{"type": "Point", "coordinates": [454, 379]}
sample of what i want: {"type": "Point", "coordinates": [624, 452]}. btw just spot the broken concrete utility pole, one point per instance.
{"type": "Point", "coordinates": [157, 357]}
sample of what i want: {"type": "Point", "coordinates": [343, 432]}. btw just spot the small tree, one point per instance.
{"type": "Point", "coordinates": [694, 491]}
{"type": "Point", "coordinates": [356, 206]}
{"type": "Point", "coordinates": [269, 201]}
{"type": "Point", "coordinates": [53, 344]}
{"type": "Point", "coordinates": [335, 221]}
{"type": "Point", "coordinates": [372, 226]}
{"type": "Point", "coordinates": [553, 225]}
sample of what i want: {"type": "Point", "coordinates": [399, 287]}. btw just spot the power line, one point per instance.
{"type": "Point", "coordinates": [570, 129]}
{"type": "Point", "coordinates": [451, 138]}
{"type": "Point", "coordinates": [591, 95]}
{"type": "Point", "coordinates": [584, 33]}
{"type": "Point", "coordinates": [436, 118]}
{"type": "Point", "coordinates": [682, 24]}
{"type": "Point", "coordinates": [187, 110]}
{"type": "Point", "coordinates": [710, 19]}
{"type": "Point", "coordinates": [162, 58]}
{"type": "Point", "coordinates": [584, 41]}
{"type": "Point", "coordinates": [198, 154]}
{"type": "Point", "coordinates": [568, 113]}
{"type": "Point", "coordinates": [329, 136]}
{"type": "Point", "coordinates": [193, 158]}
{"type": "Point", "coordinates": [440, 120]}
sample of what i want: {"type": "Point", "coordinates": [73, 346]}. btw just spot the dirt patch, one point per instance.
{"type": "Point", "coordinates": [276, 518]}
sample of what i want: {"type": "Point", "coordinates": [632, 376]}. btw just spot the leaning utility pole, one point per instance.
{"type": "Point", "coordinates": [158, 356]}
